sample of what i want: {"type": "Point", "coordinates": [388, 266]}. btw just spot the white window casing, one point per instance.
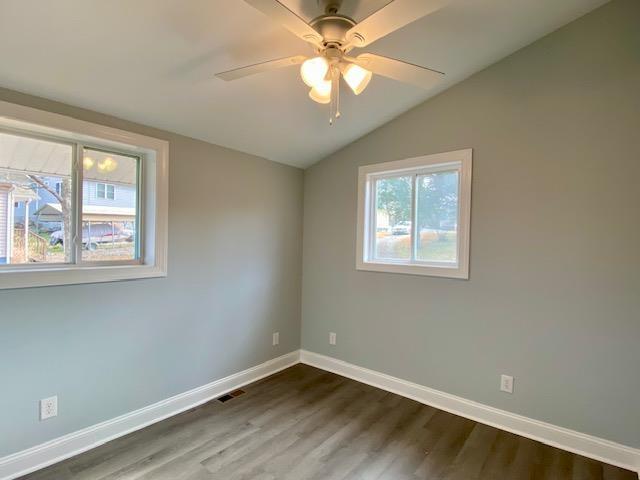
{"type": "Point", "coordinates": [460, 161]}
{"type": "Point", "coordinates": [153, 201]}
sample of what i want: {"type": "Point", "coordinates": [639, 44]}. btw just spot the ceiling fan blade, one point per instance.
{"type": "Point", "coordinates": [398, 70]}
{"type": "Point", "coordinates": [237, 73]}
{"type": "Point", "coordinates": [390, 18]}
{"type": "Point", "coordinates": [288, 19]}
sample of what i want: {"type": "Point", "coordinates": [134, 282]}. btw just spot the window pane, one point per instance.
{"type": "Point", "coordinates": [109, 206]}
{"type": "Point", "coordinates": [393, 218]}
{"type": "Point", "coordinates": [437, 216]}
{"type": "Point", "coordinates": [35, 200]}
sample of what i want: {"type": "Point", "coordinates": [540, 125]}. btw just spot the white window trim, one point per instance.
{"type": "Point", "coordinates": [412, 165]}
{"type": "Point", "coordinates": [155, 197]}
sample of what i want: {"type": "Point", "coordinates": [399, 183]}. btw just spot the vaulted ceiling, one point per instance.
{"type": "Point", "coordinates": [152, 62]}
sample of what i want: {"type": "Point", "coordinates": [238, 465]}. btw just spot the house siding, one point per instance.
{"type": "Point", "coordinates": [125, 196]}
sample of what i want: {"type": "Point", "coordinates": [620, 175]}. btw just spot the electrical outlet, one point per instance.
{"type": "Point", "coordinates": [276, 338]}
{"type": "Point", "coordinates": [506, 383]}
{"type": "Point", "coordinates": [48, 407]}
{"type": "Point", "coordinates": [332, 338]}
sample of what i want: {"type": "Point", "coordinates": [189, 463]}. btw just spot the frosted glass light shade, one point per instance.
{"type": "Point", "coordinates": [356, 77]}
{"type": "Point", "coordinates": [314, 70]}
{"type": "Point", "coordinates": [321, 93]}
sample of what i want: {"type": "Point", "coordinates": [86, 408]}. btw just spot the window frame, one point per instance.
{"type": "Point", "coordinates": [460, 160]}
{"type": "Point", "coordinates": [152, 204]}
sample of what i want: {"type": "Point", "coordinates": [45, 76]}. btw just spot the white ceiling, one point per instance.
{"type": "Point", "coordinates": [152, 62]}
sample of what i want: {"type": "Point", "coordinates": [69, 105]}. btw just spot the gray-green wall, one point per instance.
{"type": "Point", "coordinates": [554, 292]}
{"type": "Point", "coordinates": [235, 229]}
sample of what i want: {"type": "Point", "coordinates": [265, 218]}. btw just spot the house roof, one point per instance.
{"type": "Point", "coordinates": [51, 212]}
{"type": "Point", "coordinates": [21, 193]}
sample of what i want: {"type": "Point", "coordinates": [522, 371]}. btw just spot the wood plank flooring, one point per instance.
{"type": "Point", "coordinates": [304, 423]}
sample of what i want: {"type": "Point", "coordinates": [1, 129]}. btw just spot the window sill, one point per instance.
{"type": "Point", "coordinates": [73, 275]}
{"type": "Point", "coordinates": [414, 269]}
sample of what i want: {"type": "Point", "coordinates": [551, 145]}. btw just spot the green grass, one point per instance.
{"type": "Point", "coordinates": [431, 247]}
{"type": "Point", "coordinates": [438, 249]}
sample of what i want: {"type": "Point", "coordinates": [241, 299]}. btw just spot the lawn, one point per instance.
{"type": "Point", "coordinates": [432, 247]}
{"type": "Point", "coordinates": [103, 251]}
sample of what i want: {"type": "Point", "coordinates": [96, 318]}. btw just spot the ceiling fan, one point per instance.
{"type": "Point", "coordinates": [333, 36]}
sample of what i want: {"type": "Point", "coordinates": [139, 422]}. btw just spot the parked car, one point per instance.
{"type": "Point", "coordinates": [99, 233]}
{"type": "Point", "coordinates": [48, 227]}
{"type": "Point", "coordinates": [402, 228]}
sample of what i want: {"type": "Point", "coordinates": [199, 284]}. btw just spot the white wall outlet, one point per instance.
{"type": "Point", "coordinates": [332, 338]}
{"type": "Point", "coordinates": [48, 407]}
{"type": "Point", "coordinates": [276, 338]}
{"type": "Point", "coordinates": [506, 383]}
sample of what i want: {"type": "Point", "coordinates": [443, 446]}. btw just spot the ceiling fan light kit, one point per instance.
{"type": "Point", "coordinates": [321, 93]}
{"type": "Point", "coordinates": [314, 70]}
{"type": "Point", "coordinates": [333, 36]}
{"type": "Point", "coordinates": [356, 77]}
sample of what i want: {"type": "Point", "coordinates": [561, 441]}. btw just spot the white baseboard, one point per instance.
{"type": "Point", "coordinates": [56, 450]}
{"type": "Point", "coordinates": [563, 438]}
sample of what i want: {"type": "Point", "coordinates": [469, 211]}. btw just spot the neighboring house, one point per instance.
{"type": "Point", "coordinates": [382, 218]}
{"type": "Point", "coordinates": [11, 193]}
{"type": "Point", "coordinates": [94, 194]}
{"type": "Point", "coordinates": [102, 203]}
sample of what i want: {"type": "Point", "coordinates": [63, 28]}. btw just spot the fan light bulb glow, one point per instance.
{"type": "Point", "coordinates": [107, 165]}
{"type": "Point", "coordinates": [321, 93]}
{"type": "Point", "coordinates": [356, 77]}
{"type": "Point", "coordinates": [88, 163]}
{"type": "Point", "coordinates": [314, 70]}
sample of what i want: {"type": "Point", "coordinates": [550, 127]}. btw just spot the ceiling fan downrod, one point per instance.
{"type": "Point", "coordinates": [330, 7]}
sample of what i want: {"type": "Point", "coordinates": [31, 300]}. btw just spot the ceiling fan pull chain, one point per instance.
{"type": "Point", "coordinates": [334, 107]}
{"type": "Point", "coordinates": [337, 93]}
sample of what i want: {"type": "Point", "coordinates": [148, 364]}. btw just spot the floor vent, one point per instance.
{"type": "Point", "coordinates": [230, 396]}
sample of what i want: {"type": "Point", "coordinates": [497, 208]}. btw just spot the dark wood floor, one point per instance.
{"type": "Point", "coordinates": [304, 423]}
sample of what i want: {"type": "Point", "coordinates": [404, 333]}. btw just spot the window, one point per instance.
{"type": "Point", "coordinates": [414, 215]}
{"type": "Point", "coordinates": [60, 219]}
{"type": "Point", "coordinates": [106, 191]}
{"type": "Point", "coordinates": [31, 169]}
{"type": "Point", "coordinates": [109, 229]}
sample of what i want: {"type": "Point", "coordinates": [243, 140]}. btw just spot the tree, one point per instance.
{"type": "Point", "coordinates": [64, 198]}
{"type": "Point", "coordinates": [438, 202]}
{"type": "Point", "coordinates": [394, 197]}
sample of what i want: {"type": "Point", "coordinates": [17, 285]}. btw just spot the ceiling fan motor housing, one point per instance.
{"type": "Point", "coordinates": [333, 28]}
